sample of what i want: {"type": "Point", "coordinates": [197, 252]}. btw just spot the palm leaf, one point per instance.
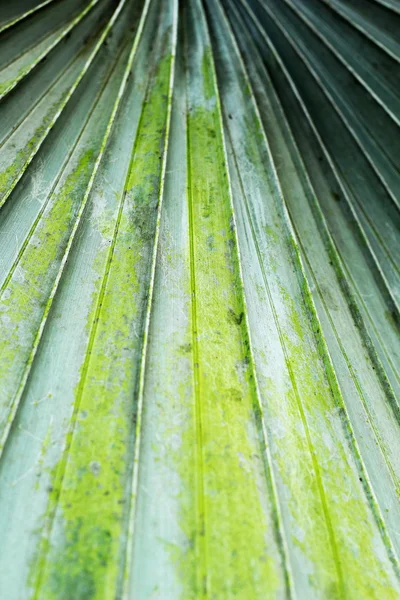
{"type": "Point", "coordinates": [199, 291]}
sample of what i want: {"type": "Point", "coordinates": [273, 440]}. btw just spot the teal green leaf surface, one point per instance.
{"type": "Point", "coordinates": [199, 299]}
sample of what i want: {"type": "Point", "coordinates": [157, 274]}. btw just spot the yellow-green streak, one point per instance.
{"type": "Point", "coordinates": [232, 525]}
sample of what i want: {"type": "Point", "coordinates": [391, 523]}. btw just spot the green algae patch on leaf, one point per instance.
{"type": "Point", "coordinates": [224, 381]}
{"type": "Point", "coordinates": [25, 291]}
{"type": "Point", "coordinates": [315, 400]}
{"type": "Point", "coordinates": [231, 476]}
{"type": "Point", "coordinates": [92, 481]}
{"type": "Point", "coordinates": [225, 390]}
